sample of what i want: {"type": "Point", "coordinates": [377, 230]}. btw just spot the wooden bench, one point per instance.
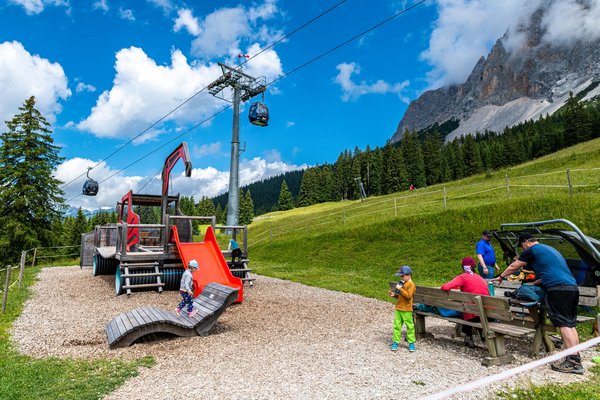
{"type": "Point", "coordinates": [487, 307]}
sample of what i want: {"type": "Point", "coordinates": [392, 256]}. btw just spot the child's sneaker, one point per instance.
{"type": "Point", "coordinates": [193, 312]}
{"type": "Point", "coordinates": [394, 346]}
{"type": "Point", "coordinates": [412, 347]}
{"type": "Point", "coordinates": [178, 311]}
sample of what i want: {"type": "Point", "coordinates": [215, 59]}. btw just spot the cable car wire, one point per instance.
{"type": "Point", "coordinates": [379, 24]}
{"type": "Point", "coordinates": [204, 88]}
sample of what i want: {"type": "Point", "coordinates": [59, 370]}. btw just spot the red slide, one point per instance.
{"type": "Point", "coordinates": [212, 264]}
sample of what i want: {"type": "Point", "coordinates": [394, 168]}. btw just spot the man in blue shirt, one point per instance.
{"type": "Point", "coordinates": [562, 293]}
{"type": "Point", "coordinates": [486, 256]}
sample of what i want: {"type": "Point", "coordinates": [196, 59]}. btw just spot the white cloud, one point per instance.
{"type": "Point", "coordinates": [221, 31]}
{"type": "Point", "coordinates": [464, 31]}
{"type": "Point", "coordinates": [225, 30]}
{"type": "Point", "coordinates": [126, 14]}
{"type": "Point", "coordinates": [37, 6]}
{"type": "Point", "coordinates": [289, 124]}
{"type": "Point", "coordinates": [101, 5]}
{"type": "Point", "coordinates": [143, 91]}
{"type": "Point", "coordinates": [207, 149]}
{"type": "Point", "coordinates": [166, 5]}
{"type": "Point", "coordinates": [569, 20]}
{"type": "Point", "coordinates": [267, 64]}
{"type": "Point", "coordinates": [23, 75]}
{"type": "Point", "coordinates": [186, 20]}
{"type": "Point", "coordinates": [84, 87]}
{"type": "Point", "coordinates": [353, 91]}
{"type": "Point", "coordinates": [208, 181]}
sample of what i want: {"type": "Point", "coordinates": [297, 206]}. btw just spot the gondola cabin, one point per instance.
{"type": "Point", "coordinates": [259, 114]}
{"type": "Point", "coordinates": [90, 187]}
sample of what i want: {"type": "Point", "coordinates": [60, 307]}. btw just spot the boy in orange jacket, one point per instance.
{"type": "Point", "coordinates": [405, 291]}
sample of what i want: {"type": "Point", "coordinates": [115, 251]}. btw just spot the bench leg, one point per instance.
{"type": "Point", "coordinates": [541, 334]}
{"type": "Point", "coordinates": [420, 331]}
{"type": "Point", "coordinates": [497, 349]}
{"type": "Point", "coordinates": [458, 331]}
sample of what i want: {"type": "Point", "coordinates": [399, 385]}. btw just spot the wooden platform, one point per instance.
{"type": "Point", "coordinates": [125, 329]}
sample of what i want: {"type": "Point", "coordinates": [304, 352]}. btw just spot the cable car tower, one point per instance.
{"type": "Point", "coordinates": [243, 87]}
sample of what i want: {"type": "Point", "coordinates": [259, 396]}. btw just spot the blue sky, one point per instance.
{"type": "Point", "coordinates": [103, 71]}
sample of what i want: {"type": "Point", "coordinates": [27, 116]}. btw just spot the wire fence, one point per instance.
{"type": "Point", "coordinates": [425, 201]}
{"type": "Point", "coordinates": [11, 276]}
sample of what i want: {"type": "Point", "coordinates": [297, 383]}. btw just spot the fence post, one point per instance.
{"type": "Point", "coordinates": [5, 296]}
{"type": "Point", "coordinates": [395, 208]}
{"type": "Point", "coordinates": [569, 182]}
{"type": "Point", "coordinates": [507, 187]}
{"type": "Point", "coordinates": [22, 267]}
{"type": "Point", "coordinates": [33, 259]}
{"type": "Point", "coordinates": [444, 197]}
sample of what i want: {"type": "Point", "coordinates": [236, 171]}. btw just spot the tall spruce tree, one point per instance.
{"type": "Point", "coordinates": [412, 153]}
{"type": "Point", "coordinates": [285, 201]}
{"type": "Point", "coordinates": [30, 196]}
{"type": "Point", "coordinates": [246, 208]}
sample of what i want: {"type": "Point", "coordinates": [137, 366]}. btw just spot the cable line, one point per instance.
{"type": "Point", "coordinates": [204, 88]}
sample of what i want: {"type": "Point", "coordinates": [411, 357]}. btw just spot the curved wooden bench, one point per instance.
{"type": "Point", "coordinates": [126, 328]}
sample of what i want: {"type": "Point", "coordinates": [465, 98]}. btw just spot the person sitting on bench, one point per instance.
{"type": "Point", "coordinates": [470, 283]}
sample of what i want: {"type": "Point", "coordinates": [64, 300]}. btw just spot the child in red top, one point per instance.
{"type": "Point", "coordinates": [469, 282]}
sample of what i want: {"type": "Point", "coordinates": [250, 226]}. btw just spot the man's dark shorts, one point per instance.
{"type": "Point", "coordinates": [561, 305]}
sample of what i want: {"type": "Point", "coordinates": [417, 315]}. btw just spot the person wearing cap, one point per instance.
{"type": "Point", "coordinates": [404, 292]}
{"type": "Point", "coordinates": [562, 293]}
{"type": "Point", "coordinates": [468, 282]}
{"type": "Point", "coordinates": [486, 256]}
{"type": "Point", "coordinates": [186, 290]}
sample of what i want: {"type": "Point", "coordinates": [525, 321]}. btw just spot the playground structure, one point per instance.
{"type": "Point", "coordinates": [154, 256]}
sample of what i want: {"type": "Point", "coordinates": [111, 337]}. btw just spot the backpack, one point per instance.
{"type": "Point", "coordinates": [528, 293]}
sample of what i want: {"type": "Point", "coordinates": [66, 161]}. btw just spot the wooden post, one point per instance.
{"type": "Point", "coordinates": [5, 296]}
{"type": "Point", "coordinates": [34, 255]}
{"type": "Point", "coordinates": [395, 209]}
{"type": "Point", "coordinates": [22, 268]}
{"type": "Point", "coordinates": [569, 182]}
{"type": "Point", "coordinates": [507, 186]}
{"type": "Point", "coordinates": [444, 197]}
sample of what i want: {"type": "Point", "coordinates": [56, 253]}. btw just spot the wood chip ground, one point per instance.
{"type": "Point", "coordinates": [286, 340]}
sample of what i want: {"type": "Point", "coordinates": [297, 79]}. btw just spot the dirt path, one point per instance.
{"type": "Point", "coordinates": [286, 340]}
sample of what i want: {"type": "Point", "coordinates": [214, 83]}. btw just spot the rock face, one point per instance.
{"type": "Point", "coordinates": [510, 86]}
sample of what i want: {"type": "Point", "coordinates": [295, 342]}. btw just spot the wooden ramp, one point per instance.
{"type": "Point", "coordinates": [126, 328]}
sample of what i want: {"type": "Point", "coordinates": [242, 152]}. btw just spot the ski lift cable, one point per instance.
{"type": "Point", "coordinates": [204, 88]}
{"type": "Point", "coordinates": [395, 15]}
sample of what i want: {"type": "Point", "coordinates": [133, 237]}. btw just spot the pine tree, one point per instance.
{"type": "Point", "coordinates": [412, 153]}
{"type": "Point", "coordinates": [30, 197]}
{"type": "Point", "coordinates": [285, 202]}
{"type": "Point", "coordinates": [79, 227]}
{"type": "Point", "coordinates": [471, 156]}
{"type": "Point", "coordinates": [246, 209]}
{"type": "Point", "coordinates": [205, 207]}
{"type": "Point", "coordinates": [395, 175]}
{"type": "Point", "coordinates": [432, 156]}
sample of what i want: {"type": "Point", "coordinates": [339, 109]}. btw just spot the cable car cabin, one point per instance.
{"type": "Point", "coordinates": [90, 187]}
{"type": "Point", "coordinates": [259, 114]}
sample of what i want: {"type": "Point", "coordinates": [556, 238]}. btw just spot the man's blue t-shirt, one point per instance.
{"type": "Point", "coordinates": [487, 251]}
{"type": "Point", "coordinates": [548, 264]}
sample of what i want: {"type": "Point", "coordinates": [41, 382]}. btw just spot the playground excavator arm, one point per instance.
{"type": "Point", "coordinates": [180, 152]}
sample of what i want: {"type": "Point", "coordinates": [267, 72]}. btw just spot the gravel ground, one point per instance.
{"type": "Point", "coordinates": [286, 340]}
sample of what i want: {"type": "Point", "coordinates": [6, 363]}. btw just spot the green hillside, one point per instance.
{"type": "Point", "coordinates": [356, 247]}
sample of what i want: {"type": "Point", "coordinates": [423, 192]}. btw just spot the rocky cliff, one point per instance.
{"type": "Point", "coordinates": [510, 85]}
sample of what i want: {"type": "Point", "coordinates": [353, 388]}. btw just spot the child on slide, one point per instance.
{"type": "Point", "coordinates": [186, 290]}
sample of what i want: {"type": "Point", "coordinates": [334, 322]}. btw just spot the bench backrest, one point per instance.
{"type": "Point", "coordinates": [495, 307]}
{"type": "Point", "coordinates": [588, 296]}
